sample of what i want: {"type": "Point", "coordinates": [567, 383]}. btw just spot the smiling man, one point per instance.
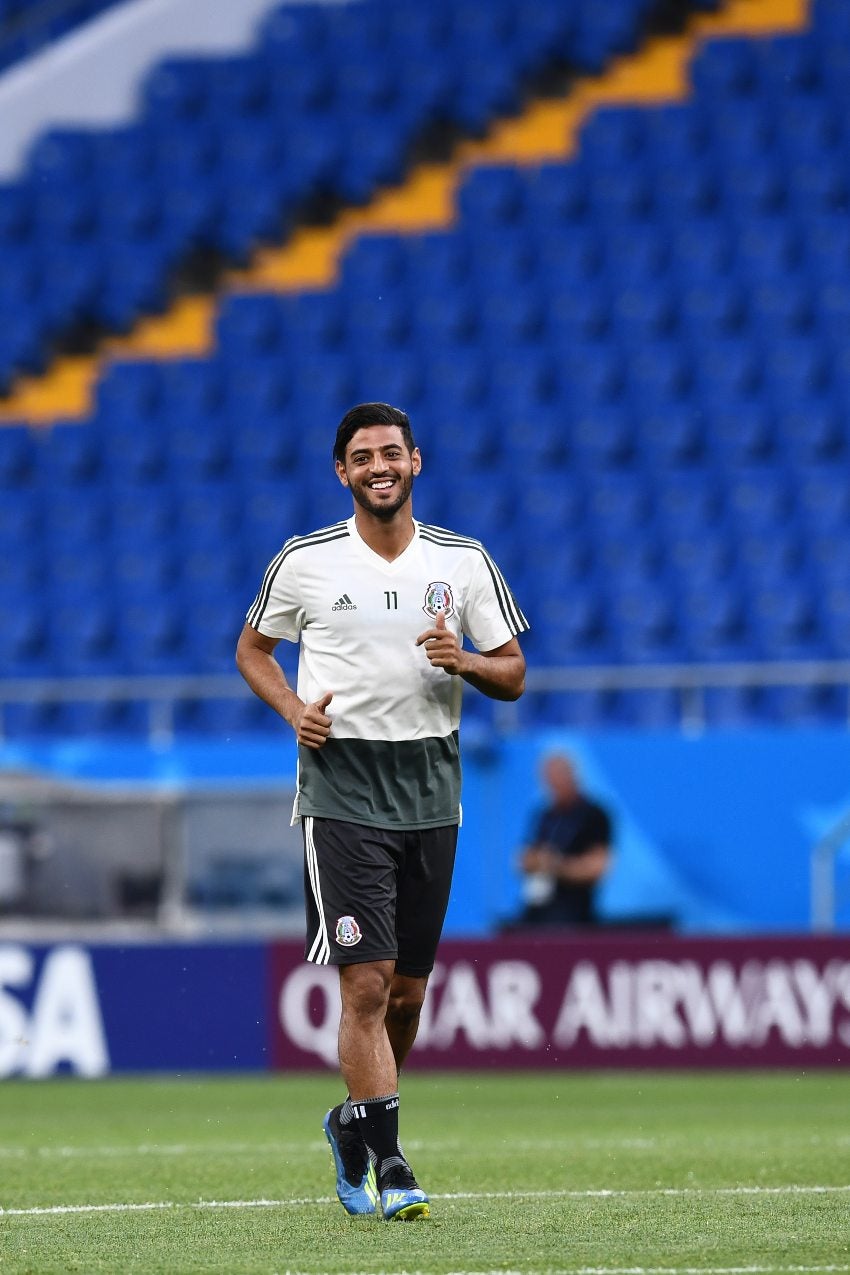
{"type": "Point", "coordinates": [380, 605]}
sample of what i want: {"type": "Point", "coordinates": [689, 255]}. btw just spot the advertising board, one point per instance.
{"type": "Point", "coordinates": [608, 1000]}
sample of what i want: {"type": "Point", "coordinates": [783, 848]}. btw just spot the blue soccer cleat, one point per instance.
{"type": "Point", "coordinates": [402, 1199]}
{"type": "Point", "coordinates": [355, 1173]}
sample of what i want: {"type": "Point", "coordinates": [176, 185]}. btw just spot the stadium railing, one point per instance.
{"type": "Point", "coordinates": [162, 695]}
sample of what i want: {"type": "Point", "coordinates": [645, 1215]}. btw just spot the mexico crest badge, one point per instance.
{"type": "Point", "coordinates": [438, 600]}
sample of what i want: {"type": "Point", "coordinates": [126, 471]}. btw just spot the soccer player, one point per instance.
{"type": "Point", "coordinates": [380, 604]}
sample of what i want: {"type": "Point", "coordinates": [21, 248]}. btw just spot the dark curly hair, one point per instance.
{"type": "Point", "coordinates": [366, 414]}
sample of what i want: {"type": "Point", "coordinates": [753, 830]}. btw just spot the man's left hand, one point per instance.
{"type": "Point", "coordinates": [442, 646]}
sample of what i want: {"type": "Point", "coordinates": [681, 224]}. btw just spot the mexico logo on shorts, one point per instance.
{"type": "Point", "coordinates": [438, 599]}
{"type": "Point", "coordinates": [347, 931]}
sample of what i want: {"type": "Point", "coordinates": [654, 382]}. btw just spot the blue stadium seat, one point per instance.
{"type": "Point", "coordinates": [727, 371]}
{"type": "Point", "coordinates": [396, 376]}
{"type": "Point", "coordinates": [810, 433]}
{"type": "Point", "coordinates": [784, 621]}
{"type": "Point", "coordinates": [157, 640]}
{"type": "Point", "coordinates": [822, 497]}
{"type": "Point", "coordinates": [758, 499]}
{"type": "Point", "coordinates": [671, 437]}
{"type": "Point", "coordinates": [741, 435]}
{"type": "Point", "coordinates": [18, 457]}
{"type": "Point", "coordinates": [772, 558]}
{"type": "Point", "coordinates": [132, 453]}
{"type": "Point", "coordinates": [221, 719]}
{"type": "Point", "coordinates": [69, 455]}
{"type": "Point", "coordinates": [494, 195]}
{"type": "Point", "coordinates": [141, 516]}
{"type": "Point", "coordinates": [700, 252]}
{"type": "Point", "coordinates": [714, 623]}
{"type": "Point", "coordinates": [726, 69]}
{"type": "Point", "coordinates": [809, 705]}
{"type": "Point", "coordinates": [589, 374]}
{"type": "Point", "coordinates": [575, 316]}
{"type": "Point", "coordinates": [642, 314]}
{"type": "Point", "coordinates": [796, 370]}
{"type": "Point", "coordinates": [84, 639]}
{"type": "Point", "coordinates": [781, 310]}
{"type": "Point", "coordinates": [699, 561]}
{"type": "Point", "coordinates": [644, 627]}
{"type": "Point", "coordinates": [733, 706]}
{"type": "Point", "coordinates": [659, 374]}
{"type": "Point", "coordinates": [572, 629]}
{"type": "Point", "coordinates": [475, 508]}
{"type": "Point", "coordinates": [586, 710]}
{"type": "Point", "coordinates": [687, 502]}
{"type": "Point", "coordinates": [602, 439]}
{"type": "Point", "coordinates": [551, 512]}
{"type": "Point", "coordinates": [711, 309]}
{"type": "Point", "coordinates": [23, 635]}
{"type": "Point", "coordinates": [603, 30]}
{"type": "Point", "coordinates": [660, 709]}
{"type": "Point", "coordinates": [23, 568]}
{"type": "Point", "coordinates": [556, 195]}
{"type": "Point", "coordinates": [756, 188]}
{"type": "Point", "coordinates": [788, 64]}
{"type": "Point", "coordinates": [145, 572]}
{"type": "Point", "coordinates": [618, 501]}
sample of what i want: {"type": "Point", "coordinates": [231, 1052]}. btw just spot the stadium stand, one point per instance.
{"type": "Point", "coordinates": [28, 25]}
{"type": "Point", "coordinates": [652, 334]}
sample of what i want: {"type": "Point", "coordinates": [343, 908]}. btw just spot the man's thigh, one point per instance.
{"type": "Point", "coordinates": [424, 885]}
{"type": "Point", "coordinates": [350, 889]}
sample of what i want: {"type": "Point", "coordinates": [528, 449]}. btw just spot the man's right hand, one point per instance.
{"type": "Point", "coordinates": [313, 725]}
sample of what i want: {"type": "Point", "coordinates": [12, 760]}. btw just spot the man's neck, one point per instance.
{"type": "Point", "coordinates": [387, 539]}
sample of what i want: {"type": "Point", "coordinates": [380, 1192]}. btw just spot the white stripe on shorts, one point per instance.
{"type": "Point", "coordinates": [320, 952]}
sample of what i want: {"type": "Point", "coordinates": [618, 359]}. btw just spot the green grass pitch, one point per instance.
{"type": "Point", "coordinates": [604, 1174]}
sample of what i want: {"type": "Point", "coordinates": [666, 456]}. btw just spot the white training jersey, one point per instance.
{"type": "Point", "coordinates": [392, 756]}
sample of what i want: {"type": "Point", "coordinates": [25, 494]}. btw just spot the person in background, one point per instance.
{"type": "Point", "coordinates": [568, 852]}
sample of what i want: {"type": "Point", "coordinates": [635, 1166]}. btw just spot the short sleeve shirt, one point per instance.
{"type": "Point", "coordinates": [392, 756]}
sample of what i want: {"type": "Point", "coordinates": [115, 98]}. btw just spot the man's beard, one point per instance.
{"type": "Point", "coordinates": [385, 512]}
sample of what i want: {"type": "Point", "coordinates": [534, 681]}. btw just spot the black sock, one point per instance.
{"type": "Point", "coordinates": [376, 1119]}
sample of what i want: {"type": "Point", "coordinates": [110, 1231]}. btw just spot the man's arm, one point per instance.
{"type": "Point", "coordinates": [257, 664]}
{"type": "Point", "coordinates": [586, 868]}
{"type": "Point", "coordinates": [499, 673]}
{"type": "Point", "coordinates": [578, 869]}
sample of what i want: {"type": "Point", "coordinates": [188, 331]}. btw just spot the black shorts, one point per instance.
{"type": "Point", "coordinates": [376, 894]}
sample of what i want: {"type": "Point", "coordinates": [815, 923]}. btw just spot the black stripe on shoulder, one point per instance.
{"type": "Point", "coordinates": [441, 535]}
{"type": "Point", "coordinates": [337, 531]}
{"type": "Point", "coordinates": [511, 613]}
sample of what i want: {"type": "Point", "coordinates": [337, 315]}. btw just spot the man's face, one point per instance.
{"type": "Point", "coordinates": [561, 780]}
{"type": "Point", "coordinates": [379, 469]}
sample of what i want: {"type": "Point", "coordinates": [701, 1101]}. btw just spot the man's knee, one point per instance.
{"type": "Point", "coordinates": [406, 998]}
{"type": "Point", "coordinates": [365, 988]}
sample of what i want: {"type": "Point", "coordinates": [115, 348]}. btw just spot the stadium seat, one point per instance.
{"type": "Point", "coordinates": [653, 333]}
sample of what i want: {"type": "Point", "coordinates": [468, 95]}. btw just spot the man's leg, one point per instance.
{"type": "Point", "coordinates": [407, 995]}
{"type": "Point", "coordinates": [365, 1054]}
{"type": "Point", "coordinates": [365, 1061]}
{"type": "Point", "coordinates": [368, 1064]}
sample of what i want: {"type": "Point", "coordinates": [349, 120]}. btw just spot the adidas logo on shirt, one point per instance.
{"type": "Point", "coordinates": [344, 604]}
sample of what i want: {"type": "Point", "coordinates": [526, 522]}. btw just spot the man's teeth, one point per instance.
{"type": "Point", "coordinates": [383, 485]}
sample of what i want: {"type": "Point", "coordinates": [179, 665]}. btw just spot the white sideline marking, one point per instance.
{"type": "Point", "coordinates": [444, 1145]}
{"type": "Point", "coordinates": [112, 1152]}
{"type": "Point", "coordinates": [601, 1194]}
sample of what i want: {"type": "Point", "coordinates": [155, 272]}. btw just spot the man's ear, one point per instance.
{"type": "Point", "coordinates": [416, 460]}
{"type": "Point", "coordinates": [340, 472]}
